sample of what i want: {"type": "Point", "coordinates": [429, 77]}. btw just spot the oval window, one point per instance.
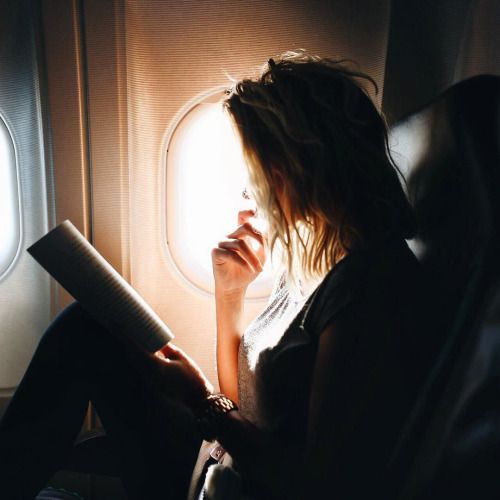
{"type": "Point", "coordinates": [206, 177]}
{"type": "Point", "coordinates": [10, 222]}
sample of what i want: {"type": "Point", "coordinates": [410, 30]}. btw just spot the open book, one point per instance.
{"type": "Point", "coordinates": [69, 258]}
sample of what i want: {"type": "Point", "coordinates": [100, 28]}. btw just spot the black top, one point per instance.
{"type": "Point", "coordinates": [385, 347]}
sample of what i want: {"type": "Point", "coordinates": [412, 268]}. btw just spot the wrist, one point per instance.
{"type": "Point", "coordinates": [211, 414]}
{"type": "Point", "coordinates": [229, 307]}
{"type": "Point", "coordinates": [230, 296]}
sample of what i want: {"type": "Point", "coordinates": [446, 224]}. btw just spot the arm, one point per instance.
{"type": "Point", "coordinates": [282, 469]}
{"type": "Point", "coordinates": [236, 263]}
{"type": "Point", "coordinates": [229, 309]}
{"type": "Point", "coordinates": [335, 407]}
{"type": "Point", "coordinates": [287, 470]}
{"type": "Point", "coordinates": [347, 390]}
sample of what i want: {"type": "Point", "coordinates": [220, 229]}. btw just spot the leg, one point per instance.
{"type": "Point", "coordinates": [42, 419]}
{"type": "Point", "coordinates": [156, 438]}
{"type": "Point", "coordinates": [78, 360]}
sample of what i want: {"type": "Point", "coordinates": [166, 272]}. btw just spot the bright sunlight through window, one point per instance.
{"type": "Point", "coordinates": [10, 231]}
{"type": "Point", "coordinates": [206, 177]}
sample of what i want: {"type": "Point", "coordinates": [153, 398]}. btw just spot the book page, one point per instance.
{"type": "Point", "coordinates": [71, 260]}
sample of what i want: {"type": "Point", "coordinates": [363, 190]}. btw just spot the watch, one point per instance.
{"type": "Point", "coordinates": [212, 412]}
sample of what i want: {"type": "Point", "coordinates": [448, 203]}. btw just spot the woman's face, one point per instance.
{"type": "Point", "coordinates": [278, 187]}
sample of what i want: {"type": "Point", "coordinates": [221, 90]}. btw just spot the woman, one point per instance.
{"type": "Point", "coordinates": [324, 378]}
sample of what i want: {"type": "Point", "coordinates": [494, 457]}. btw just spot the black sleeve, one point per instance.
{"type": "Point", "coordinates": [338, 290]}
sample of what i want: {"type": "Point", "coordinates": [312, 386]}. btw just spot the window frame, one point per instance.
{"type": "Point", "coordinates": [12, 261]}
{"type": "Point", "coordinates": [212, 95]}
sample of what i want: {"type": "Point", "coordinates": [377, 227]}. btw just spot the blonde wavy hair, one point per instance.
{"type": "Point", "coordinates": [310, 120]}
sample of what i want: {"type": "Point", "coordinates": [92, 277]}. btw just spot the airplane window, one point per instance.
{"type": "Point", "coordinates": [10, 230]}
{"type": "Point", "coordinates": [206, 177]}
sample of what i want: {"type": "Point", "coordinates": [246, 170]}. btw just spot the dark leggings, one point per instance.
{"type": "Point", "coordinates": [78, 361]}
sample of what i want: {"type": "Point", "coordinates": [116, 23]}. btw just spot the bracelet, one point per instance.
{"type": "Point", "coordinates": [212, 412]}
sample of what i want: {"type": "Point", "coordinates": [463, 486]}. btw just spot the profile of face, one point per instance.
{"type": "Point", "coordinates": [317, 146]}
{"type": "Point", "coordinates": [278, 186]}
{"type": "Point", "coordinates": [248, 205]}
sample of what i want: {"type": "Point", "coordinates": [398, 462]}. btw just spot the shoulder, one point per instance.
{"type": "Point", "coordinates": [378, 278]}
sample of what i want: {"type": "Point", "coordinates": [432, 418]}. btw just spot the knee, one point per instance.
{"type": "Point", "coordinates": [71, 317]}
{"type": "Point", "coordinates": [73, 310]}
{"type": "Point", "coordinates": [72, 323]}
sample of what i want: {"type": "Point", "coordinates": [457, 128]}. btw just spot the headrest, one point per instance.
{"type": "Point", "coordinates": [449, 153]}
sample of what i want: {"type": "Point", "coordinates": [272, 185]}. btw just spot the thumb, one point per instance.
{"type": "Point", "coordinates": [171, 351]}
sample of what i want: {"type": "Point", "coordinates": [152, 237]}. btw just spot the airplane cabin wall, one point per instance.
{"type": "Point", "coordinates": [91, 89]}
{"type": "Point", "coordinates": [173, 54]}
{"type": "Point", "coordinates": [134, 65]}
{"type": "Point", "coordinates": [25, 289]}
{"type": "Point", "coordinates": [432, 45]}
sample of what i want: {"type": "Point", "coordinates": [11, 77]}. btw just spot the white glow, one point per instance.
{"type": "Point", "coordinates": [206, 176]}
{"type": "Point", "coordinates": [9, 201]}
{"type": "Point", "coordinates": [408, 143]}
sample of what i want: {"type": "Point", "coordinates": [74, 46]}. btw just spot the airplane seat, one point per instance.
{"type": "Point", "coordinates": [452, 150]}
{"type": "Point", "coordinates": [470, 458]}
{"type": "Point", "coordinates": [453, 177]}
{"type": "Point", "coordinates": [93, 453]}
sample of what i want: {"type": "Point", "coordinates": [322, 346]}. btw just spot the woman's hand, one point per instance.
{"type": "Point", "coordinates": [236, 262]}
{"type": "Point", "coordinates": [177, 376]}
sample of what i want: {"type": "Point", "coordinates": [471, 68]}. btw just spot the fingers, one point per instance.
{"type": "Point", "coordinates": [170, 351]}
{"type": "Point", "coordinates": [244, 251]}
{"type": "Point", "coordinates": [245, 215]}
{"type": "Point", "coordinates": [221, 255]}
{"type": "Point", "coordinates": [246, 229]}
{"type": "Point", "coordinates": [256, 239]}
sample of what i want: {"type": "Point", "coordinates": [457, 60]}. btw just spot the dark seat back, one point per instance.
{"type": "Point", "coordinates": [450, 154]}
{"type": "Point", "coordinates": [469, 463]}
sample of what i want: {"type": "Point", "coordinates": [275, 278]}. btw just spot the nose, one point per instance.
{"type": "Point", "coordinates": [248, 202]}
